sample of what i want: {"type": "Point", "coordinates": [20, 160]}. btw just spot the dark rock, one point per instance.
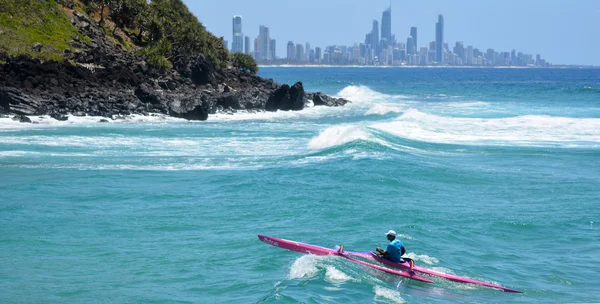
{"type": "Point", "coordinates": [278, 98]}
{"type": "Point", "coordinates": [147, 94]}
{"type": "Point", "coordinates": [103, 120]}
{"type": "Point", "coordinates": [59, 117]}
{"type": "Point", "coordinates": [297, 96]}
{"type": "Point", "coordinates": [37, 47]}
{"type": "Point", "coordinates": [22, 118]}
{"type": "Point", "coordinates": [190, 109]}
{"type": "Point", "coordinates": [286, 98]}
{"type": "Point", "coordinates": [14, 101]}
{"type": "Point", "coordinates": [320, 99]}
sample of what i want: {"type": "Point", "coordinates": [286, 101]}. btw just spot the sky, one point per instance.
{"type": "Point", "coordinates": [562, 31]}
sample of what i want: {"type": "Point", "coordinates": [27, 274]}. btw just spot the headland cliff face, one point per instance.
{"type": "Point", "coordinates": [97, 76]}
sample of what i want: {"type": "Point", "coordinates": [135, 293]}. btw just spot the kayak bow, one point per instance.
{"type": "Point", "coordinates": [406, 266]}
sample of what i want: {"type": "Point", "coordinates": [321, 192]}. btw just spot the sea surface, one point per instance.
{"type": "Point", "coordinates": [492, 174]}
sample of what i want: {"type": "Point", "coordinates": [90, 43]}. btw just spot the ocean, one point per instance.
{"type": "Point", "coordinates": [492, 174]}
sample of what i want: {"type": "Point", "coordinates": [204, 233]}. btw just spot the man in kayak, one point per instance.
{"type": "Point", "coordinates": [394, 250]}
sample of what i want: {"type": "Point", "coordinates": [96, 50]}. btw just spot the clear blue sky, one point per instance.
{"type": "Point", "coordinates": [562, 31]}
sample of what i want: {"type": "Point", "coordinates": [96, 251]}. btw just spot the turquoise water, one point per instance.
{"type": "Point", "coordinates": [492, 174]}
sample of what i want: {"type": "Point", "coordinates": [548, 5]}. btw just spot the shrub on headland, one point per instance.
{"type": "Point", "coordinates": [244, 62]}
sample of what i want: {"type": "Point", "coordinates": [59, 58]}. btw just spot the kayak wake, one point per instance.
{"type": "Point", "coordinates": [350, 256]}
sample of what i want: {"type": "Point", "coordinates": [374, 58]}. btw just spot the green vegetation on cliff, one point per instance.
{"type": "Point", "coordinates": [162, 30]}
{"type": "Point", "coordinates": [42, 25]}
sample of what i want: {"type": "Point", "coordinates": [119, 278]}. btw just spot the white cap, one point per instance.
{"type": "Point", "coordinates": [391, 232]}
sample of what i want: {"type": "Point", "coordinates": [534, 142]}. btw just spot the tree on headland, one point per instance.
{"type": "Point", "coordinates": [244, 62]}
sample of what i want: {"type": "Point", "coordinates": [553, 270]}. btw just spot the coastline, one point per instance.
{"type": "Point", "coordinates": [97, 76]}
{"type": "Point", "coordinates": [418, 66]}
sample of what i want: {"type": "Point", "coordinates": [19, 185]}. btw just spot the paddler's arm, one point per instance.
{"type": "Point", "coordinates": [381, 252]}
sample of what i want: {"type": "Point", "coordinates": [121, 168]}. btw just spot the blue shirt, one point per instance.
{"type": "Point", "coordinates": [394, 251]}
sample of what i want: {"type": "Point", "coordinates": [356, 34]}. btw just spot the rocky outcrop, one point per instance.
{"type": "Point", "coordinates": [320, 99]}
{"type": "Point", "coordinates": [99, 78]}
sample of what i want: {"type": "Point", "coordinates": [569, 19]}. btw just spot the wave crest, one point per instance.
{"type": "Point", "coordinates": [337, 135]}
{"type": "Point", "coordinates": [520, 130]}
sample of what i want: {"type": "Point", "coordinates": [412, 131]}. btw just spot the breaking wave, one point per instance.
{"type": "Point", "coordinates": [528, 130]}
{"type": "Point", "coordinates": [338, 135]}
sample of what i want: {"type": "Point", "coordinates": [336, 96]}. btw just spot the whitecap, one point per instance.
{"type": "Point", "coordinates": [388, 294]}
{"type": "Point", "coordinates": [423, 258]}
{"type": "Point", "coordinates": [334, 275]}
{"type": "Point", "coordinates": [380, 109]}
{"type": "Point", "coordinates": [338, 135]}
{"type": "Point", "coordinates": [528, 130]}
{"type": "Point", "coordinates": [304, 267]}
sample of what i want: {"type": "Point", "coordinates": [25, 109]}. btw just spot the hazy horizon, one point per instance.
{"type": "Point", "coordinates": [563, 33]}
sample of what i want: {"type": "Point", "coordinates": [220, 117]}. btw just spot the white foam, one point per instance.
{"type": "Point", "coordinates": [521, 130]}
{"type": "Point", "coordinates": [334, 275]}
{"type": "Point", "coordinates": [337, 135]}
{"type": "Point", "coordinates": [361, 94]}
{"type": "Point", "coordinates": [388, 294]}
{"type": "Point", "coordinates": [45, 121]}
{"type": "Point", "coordinates": [467, 104]}
{"type": "Point", "coordinates": [423, 258]}
{"type": "Point", "coordinates": [304, 267]}
{"type": "Point", "coordinates": [380, 109]}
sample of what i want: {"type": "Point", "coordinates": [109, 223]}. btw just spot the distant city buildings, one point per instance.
{"type": "Point", "coordinates": [238, 37]}
{"type": "Point", "coordinates": [439, 40]}
{"type": "Point", "coordinates": [247, 45]}
{"type": "Point", "coordinates": [380, 48]}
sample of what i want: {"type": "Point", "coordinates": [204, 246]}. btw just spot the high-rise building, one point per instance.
{"type": "Point", "coordinates": [410, 46]}
{"type": "Point", "coordinates": [306, 51]}
{"type": "Point", "coordinates": [386, 25]}
{"type": "Point", "coordinates": [237, 45]}
{"type": "Point", "coordinates": [291, 51]}
{"type": "Point", "coordinates": [299, 52]}
{"type": "Point", "coordinates": [375, 37]}
{"type": "Point", "coordinates": [459, 50]}
{"type": "Point", "coordinates": [247, 45]}
{"type": "Point", "coordinates": [469, 55]}
{"type": "Point", "coordinates": [272, 49]}
{"type": "Point", "coordinates": [413, 34]}
{"type": "Point", "coordinates": [439, 40]}
{"type": "Point", "coordinates": [423, 56]}
{"type": "Point", "coordinates": [317, 54]}
{"type": "Point", "coordinates": [262, 52]}
{"type": "Point", "coordinates": [226, 44]}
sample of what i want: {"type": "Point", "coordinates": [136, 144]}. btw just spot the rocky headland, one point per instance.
{"type": "Point", "coordinates": [97, 76]}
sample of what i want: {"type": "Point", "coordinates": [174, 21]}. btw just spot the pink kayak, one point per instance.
{"type": "Point", "coordinates": [318, 250]}
{"type": "Point", "coordinates": [406, 266]}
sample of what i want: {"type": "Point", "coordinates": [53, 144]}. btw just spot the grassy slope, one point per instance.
{"type": "Point", "coordinates": [26, 22]}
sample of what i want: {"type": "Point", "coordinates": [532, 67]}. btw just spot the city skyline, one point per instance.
{"type": "Point", "coordinates": [381, 50]}
{"type": "Point", "coordinates": [562, 43]}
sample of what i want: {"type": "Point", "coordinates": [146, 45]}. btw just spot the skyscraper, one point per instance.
{"type": "Point", "coordinates": [386, 25]}
{"type": "Point", "coordinates": [413, 34]}
{"type": "Point", "coordinates": [375, 37]}
{"type": "Point", "coordinates": [291, 51]}
{"type": "Point", "coordinates": [237, 45]}
{"type": "Point", "coordinates": [272, 49]}
{"type": "Point", "coordinates": [299, 52]}
{"type": "Point", "coordinates": [247, 45]}
{"type": "Point", "coordinates": [318, 54]}
{"type": "Point", "coordinates": [410, 46]}
{"type": "Point", "coordinates": [307, 51]}
{"type": "Point", "coordinates": [439, 40]}
{"type": "Point", "coordinates": [262, 52]}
